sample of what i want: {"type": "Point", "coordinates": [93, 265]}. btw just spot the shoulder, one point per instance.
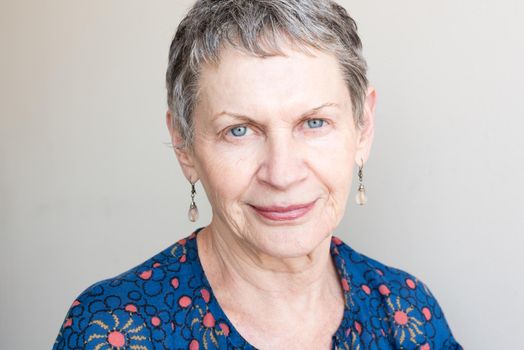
{"type": "Point", "coordinates": [395, 302]}
{"type": "Point", "coordinates": [371, 273]}
{"type": "Point", "coordinates": [134, 309]}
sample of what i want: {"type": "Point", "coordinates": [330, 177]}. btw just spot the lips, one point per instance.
{"type": "Point", "coordinates": [282, 213]}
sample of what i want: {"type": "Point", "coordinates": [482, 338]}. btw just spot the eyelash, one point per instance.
{"type": "Point", "coordinates": [324, 122]}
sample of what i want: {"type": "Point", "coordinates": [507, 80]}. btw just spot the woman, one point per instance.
{"type": "Point", "coordinates": [269, 106]}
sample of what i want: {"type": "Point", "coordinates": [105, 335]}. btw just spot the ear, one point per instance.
{"type": "Point", "coordinates": [365, 134]}
{"type": "Point", "coordinates": [185, 156]}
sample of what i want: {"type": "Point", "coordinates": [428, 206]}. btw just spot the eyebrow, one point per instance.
{"type": "Point", "coordinates": [309, 112]}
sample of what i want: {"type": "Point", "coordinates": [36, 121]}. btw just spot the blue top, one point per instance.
{"type": "Point", "coordinates": [167, 303]}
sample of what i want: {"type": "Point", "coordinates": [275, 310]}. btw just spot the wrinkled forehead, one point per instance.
{"type": "Point", "coordinates": [271, 84]}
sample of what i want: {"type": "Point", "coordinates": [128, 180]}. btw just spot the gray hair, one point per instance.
{"type": "Point", "coordinates": [255, 27]}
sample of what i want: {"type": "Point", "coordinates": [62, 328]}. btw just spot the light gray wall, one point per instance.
{"type": "Point", "coordinates": [88, 188]}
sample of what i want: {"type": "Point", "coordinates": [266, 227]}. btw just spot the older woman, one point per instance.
{"type": "Point", "coordinates": [269, 108]}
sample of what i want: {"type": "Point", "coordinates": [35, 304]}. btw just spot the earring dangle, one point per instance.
{"type": "Point", "coordinates": [361, 197]}
{"type": "Point", "coordinates": [192, 214]}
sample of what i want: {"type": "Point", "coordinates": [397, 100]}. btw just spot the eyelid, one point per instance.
{"type": "Point", "coordinates": [313, 117]}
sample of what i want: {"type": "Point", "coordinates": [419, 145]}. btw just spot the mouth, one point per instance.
{"type": "Point", "coordinates": [280, 213]}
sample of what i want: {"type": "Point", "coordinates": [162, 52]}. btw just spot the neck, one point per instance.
{"type": "Point", "coordinates": [237, 271]}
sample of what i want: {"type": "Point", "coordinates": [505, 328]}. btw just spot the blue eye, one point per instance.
{"type": "Point", "coordinates": [238, 130]}
{"type": "Point", "coordinates": [315, 123]}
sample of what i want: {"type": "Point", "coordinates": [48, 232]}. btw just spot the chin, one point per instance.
{"type": "Point", "coordinates": [288, 241]}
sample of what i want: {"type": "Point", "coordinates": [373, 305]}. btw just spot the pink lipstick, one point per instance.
{"type": "Point", "coordinates": [291, 212]}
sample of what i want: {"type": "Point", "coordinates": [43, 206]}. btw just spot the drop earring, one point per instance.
{"type": "Point", "coordinates": [361, 197]}
{"type": "Point", "coordinates": [192, 214]}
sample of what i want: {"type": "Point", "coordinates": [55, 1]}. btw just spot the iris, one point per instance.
{"type": "Point", "coordinates": [239, 131]}
{"type": "Point", "coordinates": [315, 123]}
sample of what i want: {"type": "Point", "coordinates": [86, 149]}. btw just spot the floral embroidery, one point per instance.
{"type": "Point", "coordinates": [117, 329]}
{"type": "Point", "coordinates": [407, 322]}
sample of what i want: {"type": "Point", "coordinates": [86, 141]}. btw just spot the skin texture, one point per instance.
{"type": "Point", "coordinates": [275, 279]}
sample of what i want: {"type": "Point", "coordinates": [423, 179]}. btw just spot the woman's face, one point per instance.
{"type": "Point", "coordinates": [276, 132]}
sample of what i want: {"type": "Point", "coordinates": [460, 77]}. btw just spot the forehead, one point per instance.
{"type": "Point", "coordinates": [272, 84]}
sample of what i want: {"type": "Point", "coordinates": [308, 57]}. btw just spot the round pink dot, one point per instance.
{"type": "Point", "coordinates": [345, 284]}
{"type": "Point", "coordinates": [183, 258]}
{"type": "Point", "coordinates": [384, 290]}
{"type": "Point", "coordinates": [175, 283]}
{"type": "Point", "coordinates": [425, 347]}
{"type": "Point", "coordinates": [194, 345]}
{"type": "Point", "coordinates": [225, 328]}
{"type": "Point", "coordinates": [366, 289]}
{"type": "Point", "coordinates": [157, 264]}
{"type": "Point", "coordinates": [410, 283]}
{"type": "Point", "coordinates": [184, 301]}
{"type": "Point", "coordinates": [68, 323]}
{"type": "Point", "coordinates": [205, 294]}
{"type": "Point", "coordinates": [401, 317]}
{"type": "Point", "coordinates": [182, 241]}
{"type": "Point", "coordinates": [379, 272]}
{"type": "Point", "coordinates": [209, 320]}
{"type": "Point", "coordinates": [146, 275]}
{"type": "Point", "coordinates": [131, 308]}
{"type": "Point", "coordinates": [336, 240]}
{"type": "Point", "coordinates": [116, 339]}
{"type": "Point", "coordinates": [358, 327]}
{"type": "Point", "coordinates": [75, 303]}
{"type": "Point", "coordinates": [427, 313]}
{"type": "Point", "coordinates": [155, 321]}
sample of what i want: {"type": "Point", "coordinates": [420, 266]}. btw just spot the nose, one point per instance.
{"type": "Point", "coordinates": [283, 164]}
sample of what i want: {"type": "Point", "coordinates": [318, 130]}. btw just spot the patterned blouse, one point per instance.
{"type": "Point", "coordinates": [167, 303]}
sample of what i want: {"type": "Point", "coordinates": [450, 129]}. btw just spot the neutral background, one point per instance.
{"type": "Point", "coordinates": [89, 189]}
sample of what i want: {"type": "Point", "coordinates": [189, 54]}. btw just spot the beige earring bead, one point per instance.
{"type": "Point", "coordinates": [361, 197]}
{"type": "Point", "coordinates": [192, 214]}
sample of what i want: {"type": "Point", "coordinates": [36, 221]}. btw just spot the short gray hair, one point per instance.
{"type": "Point", "coordinates": [255, 27]}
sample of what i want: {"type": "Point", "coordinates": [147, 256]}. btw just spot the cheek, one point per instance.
{"type": "Point", "coordinates": [334, 170]}
{"type": "Point", "coordinates": [333, 161]}
{"type": "Point", "coordinates": [225, 173]}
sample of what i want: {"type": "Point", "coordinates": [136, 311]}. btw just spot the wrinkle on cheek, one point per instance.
{"type": "Point", "coordinates": [332, 214]}
{"type": "Point", "coordinates": [333, 165]}
{"type": "Point", "coordinates": [236, 221]}
{"type": "Point", "coordinates": [228, 212]}
{"type": "Point", "coordinates": [335, 207]}
{"type": "Point", "coordinates": [225, 175]}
